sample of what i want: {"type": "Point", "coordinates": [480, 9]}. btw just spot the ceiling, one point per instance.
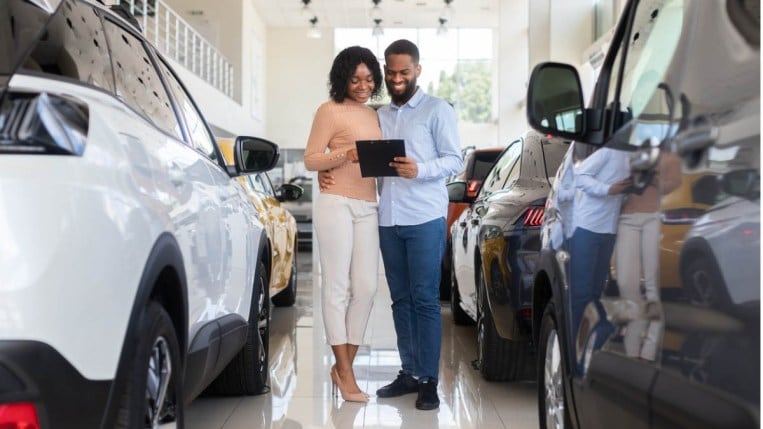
{"type": "Point", "coordinates": [395, 13]}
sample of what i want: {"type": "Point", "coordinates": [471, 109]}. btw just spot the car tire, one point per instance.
{"type": "Point", "coordinates": [247, 373]}
{"type": "Point", "coordinates": [445, 273]}
{"type": "Point", "coordinates": [500, 359]}
{"type": "Point", "coordinates": [288, 296]}
{"type": "Point", "coordinates": [154, 374]}
{"type": "Point", "coordinates": [703, 283]}
{"type": "Point", "coordinates": [552, 400]}
{"type": "Point", "coordinates": [459, 315]}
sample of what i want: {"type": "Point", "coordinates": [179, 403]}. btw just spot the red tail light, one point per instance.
{"type": "Point", "coordinates": [472, 188]}
{"type": "Point", "coordinates": [534, 216]}
{"type": "Point", "coordinates": [21, 415]}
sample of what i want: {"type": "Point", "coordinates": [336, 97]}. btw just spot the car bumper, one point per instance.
{"type": "Point", "coordinates": [34, 372]}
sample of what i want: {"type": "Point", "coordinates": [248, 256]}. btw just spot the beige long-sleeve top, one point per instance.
{"type": "Point", "coordinates": [668, 178]}
{"type": "Point", "coordinates": [337, 126]}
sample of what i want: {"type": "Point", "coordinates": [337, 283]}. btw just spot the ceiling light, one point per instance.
{"type": "Point", "coordinates": [447, 11]}
{"type": "Point", "coordinates": [314, 32]}
{"type": "Point", "coordinates": [442, 29]}
{"type": "Point", "coordinates": [378, 30]}
{"type": "Point", "coordinates": [376, 12]}
{"type": "Point", "coordinates": [306, 12]}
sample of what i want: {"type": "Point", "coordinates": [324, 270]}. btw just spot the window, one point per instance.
{"type": "Point", "coordinates": [73, 45]}
{"type": "Point", "coordinates": [138, 83]}
{"type": "Point", "coordinates": [505, 170]}
{"type": "Point", "coordinates": [200, 137]}
{"type": "Point", "coordinates": [261, 184]}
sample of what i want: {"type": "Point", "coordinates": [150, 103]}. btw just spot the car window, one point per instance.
{"type": "Point", "coordinates": [200, 137]}
{"type": "Point", "coordinates": [138, 83]}
{"type": "Point", "coordinates": [483, 162]}
{"type": "Point", "coordinates": [261, 184]}
{"type": "Point", "coordinates": [73, 46]}
{"type": "Point", "coordinates": [503, 170]}
{"type": "Point", "coordinates": [654, 36]}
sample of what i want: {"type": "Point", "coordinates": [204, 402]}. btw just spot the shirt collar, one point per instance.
{"type": "Point", "coordinates": [414, 101]}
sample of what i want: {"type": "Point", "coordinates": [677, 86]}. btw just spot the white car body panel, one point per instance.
{"type": "Point", "coordinates": [76, 233]}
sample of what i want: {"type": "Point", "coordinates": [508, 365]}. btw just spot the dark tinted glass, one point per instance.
{"type": "Point", "coordinates": [553, 153]}
{"type": "Point", "coordinates": [138, 83]}
{"type": "Point", "coordinates": [14, 43]}
{"type": "Point", "coordinates": [73, 45]}
{"type": "Point", "coordinates": [199, 135]}
{"type": "Point", "coordinates": [481, 165]}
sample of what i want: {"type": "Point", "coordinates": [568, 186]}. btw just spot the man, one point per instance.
{"type": "Point", "coordinates": [412, 210]}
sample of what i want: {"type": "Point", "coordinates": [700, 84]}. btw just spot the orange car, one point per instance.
{"type": "Point", "coordinates": [280, 226]}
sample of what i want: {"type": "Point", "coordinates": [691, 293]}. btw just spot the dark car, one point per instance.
{"type": "Point", "coordinates": [681, 79]}
{"type": "Point", "coordinates": [477, 163]}
{"type": "Point", "coordinates": [495, 249]}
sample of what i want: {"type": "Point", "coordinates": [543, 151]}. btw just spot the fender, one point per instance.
{"type": "Point", "coordinates": [548, 286]}
{"type": "Point", "coordinates": [163, 279]}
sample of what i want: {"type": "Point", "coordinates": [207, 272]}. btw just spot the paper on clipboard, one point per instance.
{"type": "Point", "coordinates": [374, 156]}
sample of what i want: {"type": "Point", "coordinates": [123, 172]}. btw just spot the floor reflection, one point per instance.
{"type": "Point", "coordinates": [300, 386]}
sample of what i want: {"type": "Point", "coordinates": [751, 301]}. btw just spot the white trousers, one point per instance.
{"type": "Point", "coordinates": [347, 231]}
{"type": "Point", "coordinates": [637, 257]}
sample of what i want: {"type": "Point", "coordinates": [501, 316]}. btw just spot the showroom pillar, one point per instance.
{"type": "Point", "coordinates": [512, 76]}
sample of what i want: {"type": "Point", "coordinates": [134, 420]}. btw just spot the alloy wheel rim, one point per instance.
{"type": "Point", "coordinates": [552, 383]}
{"type": "Point", "coordinates": [262, 327]}
{"type": "Point", "coordinates": [157, 382]}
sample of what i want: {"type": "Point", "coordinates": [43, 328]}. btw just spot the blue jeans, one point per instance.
{"type": "Point", "coordinates": [590, 254]}
{"type": "Point", "coordinates": [412, 256]}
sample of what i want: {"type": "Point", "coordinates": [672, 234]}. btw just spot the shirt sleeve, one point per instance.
{"type": "Point", "coordinates": [445, 134]}
{"type": "Point", "coordinates": [585, 178]}
{"type": "Point", "coordinates": [321, 133]}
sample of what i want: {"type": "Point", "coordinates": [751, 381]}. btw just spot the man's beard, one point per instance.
{"type": "Point", "coordinates": [406, 95]}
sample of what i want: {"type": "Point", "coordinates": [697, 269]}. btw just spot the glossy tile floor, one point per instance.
{"type": "Point", "coordinates": [300, 395]}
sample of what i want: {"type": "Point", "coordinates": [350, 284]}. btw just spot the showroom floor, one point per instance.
{"type": "Point", "coordinates": [300, 395]}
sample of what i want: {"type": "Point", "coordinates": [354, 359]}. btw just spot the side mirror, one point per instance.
{"type": "Point", "coordinates": [254, 154]}
{"type": "Point", "coordinates": [742, 183]}
{"type": "Point", "coordinates": [555, 101]}
{"type": "Point", "coordinates": [289, 192]}
{"type": "Point", "coordinates": [456, 192]}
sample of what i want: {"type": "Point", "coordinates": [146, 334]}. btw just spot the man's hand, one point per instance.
{"type": "Point", "coordinates": [620, 187]}
{"type": "Point", "coordinates": [405, 167]}
{"type": "Point", "coordinates": [325, 180]}
{"type": "Point", "coordinates": [352, 155]}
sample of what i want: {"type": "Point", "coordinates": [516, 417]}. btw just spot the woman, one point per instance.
{"type": "Point", "coordinates": [345, 217]}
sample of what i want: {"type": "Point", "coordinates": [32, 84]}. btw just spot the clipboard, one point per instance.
{"type": "Point", "coordinates": [374, 156]}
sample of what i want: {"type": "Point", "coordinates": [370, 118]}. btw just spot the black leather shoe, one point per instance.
{"type": "Point", "coordinates": [403, 384]}
{"type": "Point", "coordinates": [427, 399]}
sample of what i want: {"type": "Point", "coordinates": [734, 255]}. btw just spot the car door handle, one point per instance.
{"type": "Point", "coordinates": [475, 221]}
{"type": "Point", "coordinates": [462, 223]}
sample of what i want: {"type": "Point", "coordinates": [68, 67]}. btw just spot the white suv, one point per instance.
{"type": "Point", "coordinates": [130, 262]}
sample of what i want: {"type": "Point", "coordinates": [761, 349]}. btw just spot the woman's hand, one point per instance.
{"type": "Point", "coordinates": [325, 180]}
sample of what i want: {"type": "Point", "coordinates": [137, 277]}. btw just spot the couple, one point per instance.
{"type": "Point", "coordinates": [407, 223]}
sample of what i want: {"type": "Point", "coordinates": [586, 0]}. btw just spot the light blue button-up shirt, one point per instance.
{"type": "Point", "coordinates": [429, 127]}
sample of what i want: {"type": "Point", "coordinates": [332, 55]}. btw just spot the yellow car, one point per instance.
{"type": "Point", "coordinates": [280, 226]}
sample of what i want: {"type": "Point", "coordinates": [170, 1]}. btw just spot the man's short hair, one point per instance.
{"type": "Point", "coordinates": [404, 47]}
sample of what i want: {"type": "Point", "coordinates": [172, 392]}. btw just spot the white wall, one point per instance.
{"type": "Point", "coordinates": [241, 36]}
{"type": "Point", "coordinates": [512, 57]}
{"type": "Point", "coordinates": [297, 70]}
